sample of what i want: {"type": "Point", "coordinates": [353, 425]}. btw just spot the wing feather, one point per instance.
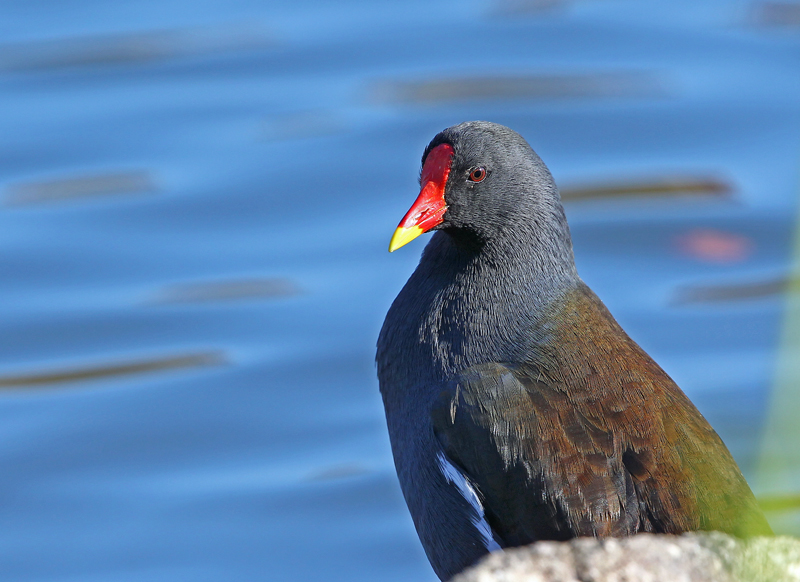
{"type": "Point", "coordinates": [590, 439]}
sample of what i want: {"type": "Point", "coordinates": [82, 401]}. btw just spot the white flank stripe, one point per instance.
{"type": "Point", "coordinates": [457, 478]}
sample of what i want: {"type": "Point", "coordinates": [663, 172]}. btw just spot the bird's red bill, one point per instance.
{"type": "Point", "coordinates": [429, 208]}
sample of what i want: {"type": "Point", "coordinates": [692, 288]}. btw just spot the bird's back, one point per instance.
{"type": "Point", "coordinates": [590, 437]}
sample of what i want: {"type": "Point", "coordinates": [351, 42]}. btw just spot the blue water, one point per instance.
{"type": "Point", "coordinates": [195, 204]}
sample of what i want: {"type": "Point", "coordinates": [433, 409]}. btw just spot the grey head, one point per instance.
{"type": "Point", "coordinates": [514, 208]}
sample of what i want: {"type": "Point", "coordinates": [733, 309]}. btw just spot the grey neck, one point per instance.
{"type": "Point", "coordinates": [490, 303]}
{"type": "Point", "coordinates": [474, 301]}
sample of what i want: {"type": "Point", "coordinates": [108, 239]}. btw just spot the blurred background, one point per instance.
{"type": "Point", "coordinates": [196, 200]}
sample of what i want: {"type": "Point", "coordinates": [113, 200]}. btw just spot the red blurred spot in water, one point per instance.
{"type": "Point", "coordinates": [715, 246]}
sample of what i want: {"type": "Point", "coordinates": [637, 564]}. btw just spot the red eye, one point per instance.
{"type": "Point", "coordinates": [477, 175]}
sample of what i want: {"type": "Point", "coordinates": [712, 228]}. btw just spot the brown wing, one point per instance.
{"type": "Point", "coordinates": [590, 438]}
{"type": "Point", "coordinates": [543, 471]}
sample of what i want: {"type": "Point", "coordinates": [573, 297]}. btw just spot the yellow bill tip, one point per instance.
{"type": "Point", "coordinates": [403, 236]}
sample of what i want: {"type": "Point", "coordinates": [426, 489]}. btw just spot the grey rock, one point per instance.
{"type": "Point", "coordinates": [691, 557]}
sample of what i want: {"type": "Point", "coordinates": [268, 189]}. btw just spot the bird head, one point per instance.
{"type": "Point", "coordinates": [479, 180]}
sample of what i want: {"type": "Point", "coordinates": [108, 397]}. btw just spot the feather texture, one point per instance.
{"type": "Point", "coordinates": [593, 439]}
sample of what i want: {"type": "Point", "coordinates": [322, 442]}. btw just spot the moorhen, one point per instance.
{"type": "Point", "coordinates": [518, 409]}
